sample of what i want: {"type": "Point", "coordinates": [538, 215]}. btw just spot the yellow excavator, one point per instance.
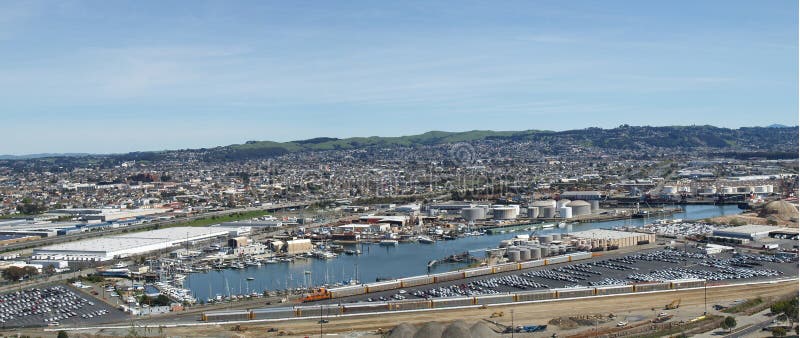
{"type": "Point", "coordinates": [674, 305]}
{"type": "Point", "coordinates": [497, 314]}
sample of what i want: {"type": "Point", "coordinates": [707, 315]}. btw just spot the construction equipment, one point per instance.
{"type": "Point", "coordinates": [318, 294]}
{"type": "Point", "coordinates": [674, 305]}
{"type": "Point", "coordinates": [497, 314]}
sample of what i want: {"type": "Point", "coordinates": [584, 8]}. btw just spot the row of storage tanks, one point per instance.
{"type": "Point", "coordinates": [520, 250]}
{"type": "Point", "coordinates": [758, 189]}
{"type": "Point", "coordinates": [563, 208]}
{"type": "Point", "coordinates": [329, 310]}
{"type": "Point", "coordinates": [538, 209]}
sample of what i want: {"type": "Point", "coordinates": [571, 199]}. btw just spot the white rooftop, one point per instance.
{"type": "Point", "coordinates": [603, 233]}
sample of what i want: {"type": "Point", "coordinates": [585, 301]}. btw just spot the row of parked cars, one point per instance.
{"type": "Point", "coordinates": [47, 305]}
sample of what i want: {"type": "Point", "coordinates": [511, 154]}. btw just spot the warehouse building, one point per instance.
{"type": "Point", "coordinates": [111, 247]}
{"type": "Point", "coordinates": [751, 232]}
{"type": "Point", "coordinates": [603, 239]}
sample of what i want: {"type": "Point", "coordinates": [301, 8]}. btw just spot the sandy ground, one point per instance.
{"type": "Point", "coordinates": [632, 307]}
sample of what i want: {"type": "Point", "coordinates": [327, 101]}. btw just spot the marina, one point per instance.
{"type": "Point", "coordinates": [370, 265]}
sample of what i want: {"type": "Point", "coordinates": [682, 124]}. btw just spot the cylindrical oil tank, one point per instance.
{"type": "Point", "coordinates": [580, 208]}
{"type": "Point", "coordinates": [516, 209]}
{"type": "Point", "coordinates": [536, 253]}
{"type": "Point", "coordinates": [556, 237]}
{"type": "Point", "coordinates": [565, 212]}
{"type": "Point", "coordinates": [524, 254]}
{"type": "Point", "coordinates": [594, 206]}
{"type": "Point", "coordinates": [514, 255]}
{"type": "Point", "coordinates": [547, 212]}
{"type": "Point", "coordinates": [562, 202]}
{"type": "Point", "coordinates": [473, 214]}
{"type": "Point", "coordinates": [533, 212]}
{"type": "Point", "coordinates": [545, 251]}
{"type": "Point", "coordinates": [544, 239]}
{"type": "Point", "coordinates": [506, 243]}
{"type": "Point", "coordinates": [504, 213]}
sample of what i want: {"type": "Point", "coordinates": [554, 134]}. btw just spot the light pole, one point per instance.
{"type": "Point", "coordinates": [513, 328]}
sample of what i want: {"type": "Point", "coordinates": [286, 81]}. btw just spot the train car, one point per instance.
{"type": "Point", "coordinates": [416, 281]}
{"type": "Point", "coordinates": [651, 287]}
{"type": "Point", "coordinates": [534, 295]}
{"type": "Point", "coordinates": [448, 276]}
{"type": "Point", "coordinates": [439, 303]}
{"type": "Point", "coordinates": [410, 304]}
{"type": "Point", "coordinates": [494, 299]}
{"type": "Point", "coordinates": [323, 310]}
{"type": "Point", "coordinates": [579, 256]}
{"type": "Point", "coordinates": [531, 264]}
{"type": "Point", "coordinates": [347, 291]}
{"type": "Point", "coordinates": [506, 267]}
{"type": "Point", "coordinates": [383, 286]}
{"type": "Point", "coordinates": [688, 283]}
{"type": "Point", "coordinates": [557, 259]}
{"type": "Point", "coordinates": [355, 308]}
{"type": "Point", "coordinates": [613, 289]}
{"type": "Point", "coordinates": [273, 313]}
{"type": "Point", "coordinates": [574, 292]}
{"type": "Point", "coordinates": [487, 270]}
{"type": "Point", "coordinates": [223, 316]}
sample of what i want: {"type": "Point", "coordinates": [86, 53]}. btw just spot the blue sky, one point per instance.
{"type": "Point", "coordinates": [114, 76]}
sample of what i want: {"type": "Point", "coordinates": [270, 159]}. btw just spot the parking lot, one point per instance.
{"type": "Point", "coordinates": [645, 266]}
{"type": "Point", "coordinates": [53, 306]}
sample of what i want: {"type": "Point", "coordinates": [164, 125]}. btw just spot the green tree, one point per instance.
{"type": "Point", "coordinates": [62, 334]}
{"type": "Point", "coordinates": [728, 324]}
{"type": "Point", "coordinates": [778, 331]}
{"type": "Point", "coordinates": [15, 273]}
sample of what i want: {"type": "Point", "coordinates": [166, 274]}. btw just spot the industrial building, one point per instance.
{"type": "Point", "coordinates": [751, 232]}
{"type": "Point", "coordinates": [595, 239]}
{"type": "Point", "coordinates": [111, 247]}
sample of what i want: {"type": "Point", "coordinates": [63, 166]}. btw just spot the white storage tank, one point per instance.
{"type": "Point", "coordinates": [562, 202]}
{"type": "Point", "coordinates": [565, 212]}
{"type": "Point", "coordinates": [513, 255]}
{"type": "Point", "coordinates": [504, 213]}
{"type": "Point", "coordinates": [533, 212]}
{"type": "Point", "coordinates": [547, 212]}
{"type": "Point", "coordinates": [516, 209]}
{"type": "Point", "coordinates": [594, 206]}
{"type": "Point", "coordinates": [580, 208]}
{"type": "Point", "coordinates": [544, 239]}
{"type": "Point", "coordinates": [473, 214]}
{"type": "Point", "coordinates": [524, 254]}
{"type": "Point", "coordinates": [556, 237]}
{"type": "Point", "coordinates": [536, 253]}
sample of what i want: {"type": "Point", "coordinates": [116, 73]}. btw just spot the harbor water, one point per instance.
{"type": "Point", "coordinates": [375, 261]}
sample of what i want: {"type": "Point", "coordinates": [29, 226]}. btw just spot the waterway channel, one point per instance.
{"type": "Point", "coordinates": [406, 259]}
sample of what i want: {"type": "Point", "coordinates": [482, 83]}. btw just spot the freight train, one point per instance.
{"type": "Point", "coordinates": [327, 310]}
{"type": "Point", "coordinates": [355, 290]}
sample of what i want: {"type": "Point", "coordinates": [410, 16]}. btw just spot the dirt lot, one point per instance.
{"type": "Point", "coordinates": [640, 306]}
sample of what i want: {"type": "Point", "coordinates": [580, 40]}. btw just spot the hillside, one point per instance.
{"type": "Point", "coordinates": [749, 140]}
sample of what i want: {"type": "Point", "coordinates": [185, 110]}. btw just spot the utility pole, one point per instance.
{"type": "Point", "coordinates": [705, 298]}
{"type": "Point", "coordinates": [513, 328]}
{"type": "Point", "coordinates": [320, 321]}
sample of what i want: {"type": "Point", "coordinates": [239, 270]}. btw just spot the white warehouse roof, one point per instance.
{"type": "Point", "coordinates": [106, 248]}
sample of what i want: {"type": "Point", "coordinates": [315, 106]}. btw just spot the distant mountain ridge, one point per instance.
{"type": "Point", "coordinates": [772, 138]}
